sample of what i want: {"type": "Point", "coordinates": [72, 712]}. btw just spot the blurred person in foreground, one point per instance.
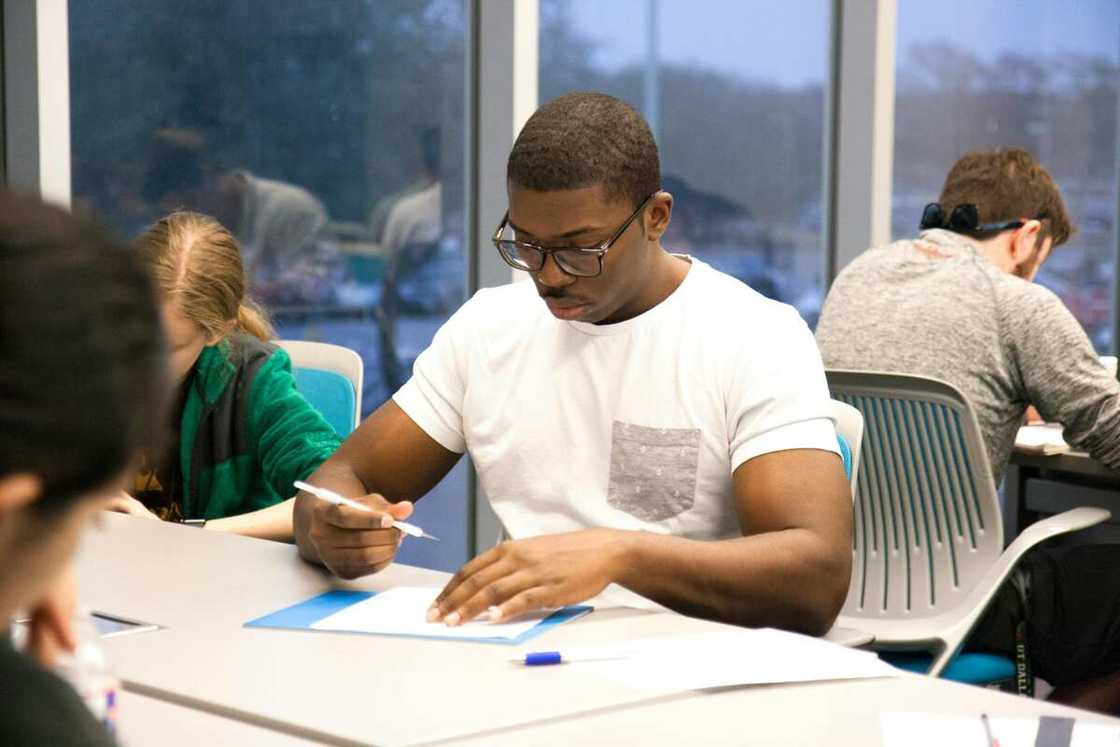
{"type": "Point", "coordinates": [82, 387]}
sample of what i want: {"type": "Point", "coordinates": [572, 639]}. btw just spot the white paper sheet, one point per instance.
{"type": "Point", "coordinates": [736, 656]}
{"type": "Point", "coordinates": [1041, 439]}
{"type": "Point", "coordinates": [936, 730]}
{"type": "Point", "coordinates": [403, 611]}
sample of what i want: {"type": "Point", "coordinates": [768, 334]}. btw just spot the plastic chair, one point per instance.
{"type": "Point", "coordinates": [330, 377]}
{"type": "Point", "coordinates": [849, 429]}
{"type": "Point", "coordinates": [927, 551]}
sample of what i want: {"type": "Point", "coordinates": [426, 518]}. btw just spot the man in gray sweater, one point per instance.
{"type": "Point", "coordinates": [958, 304]}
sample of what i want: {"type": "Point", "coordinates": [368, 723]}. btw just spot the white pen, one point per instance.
{"type": "Point", "coordinates": [332, 497]}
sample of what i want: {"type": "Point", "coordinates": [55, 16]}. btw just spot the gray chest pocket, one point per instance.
{"type": "Point", "coordinates": [653, 470]}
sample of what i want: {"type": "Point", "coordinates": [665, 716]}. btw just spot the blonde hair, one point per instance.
{"type": "Point", "coordinates": [195, 261]}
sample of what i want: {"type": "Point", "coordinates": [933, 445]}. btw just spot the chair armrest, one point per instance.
{"type": "Point", "coordinates": [977, 601]}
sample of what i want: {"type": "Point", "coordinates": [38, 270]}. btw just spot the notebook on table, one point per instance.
{"type": "Point", "coordinates": [402, 612]}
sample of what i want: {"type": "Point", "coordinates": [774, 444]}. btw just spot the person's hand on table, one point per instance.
{"type": "Point", "coordinates": [124, 503]}
{"type": "Point", "coordinates": [353, 543]}
{"type": "Point", "coordinates": [527, 575]}
{"type": "Point", "coordinates": [51, 629]}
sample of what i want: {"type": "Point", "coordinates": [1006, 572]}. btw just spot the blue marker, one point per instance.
{"type": "Point", "coordinates": [544, 658]}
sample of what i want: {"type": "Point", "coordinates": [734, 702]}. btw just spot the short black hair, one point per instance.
{"type": "Point", "coordinates": [581, 139]}
{"type": "Point", "coordinates": [84, 378]}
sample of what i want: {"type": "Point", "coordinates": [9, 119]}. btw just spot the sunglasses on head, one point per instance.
{"type": "Point", "coordinates": [964, 219]}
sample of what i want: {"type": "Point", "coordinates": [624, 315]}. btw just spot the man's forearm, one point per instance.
{"type": "Point", "coordinates": [790, 579]}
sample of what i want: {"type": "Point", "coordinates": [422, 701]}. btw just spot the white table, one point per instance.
{"type": "Point", "coordinates": [836, 714]}
{"type": "Point", "coordinates": [146, 721]}
{"type": "Point", "coordinates": [1038, 484]}
{"type": "Point", "coordinates": [203, 586]}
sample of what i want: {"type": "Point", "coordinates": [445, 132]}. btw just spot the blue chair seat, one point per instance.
{"type": "Point", "coordinates": [331, 394]}
{"type": "Point", "coordinates": [974, 669]}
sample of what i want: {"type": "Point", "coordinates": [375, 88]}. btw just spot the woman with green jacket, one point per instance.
{"type": "Point", "coordinates": [241, 432]}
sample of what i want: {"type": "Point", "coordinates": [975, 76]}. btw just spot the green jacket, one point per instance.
{"type": "Point", "coordinates": [246, 433]}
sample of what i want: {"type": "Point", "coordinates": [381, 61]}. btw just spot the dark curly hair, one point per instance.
{"type": "Point", "coordinates": [582, 139]}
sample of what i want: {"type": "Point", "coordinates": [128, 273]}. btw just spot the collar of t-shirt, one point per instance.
{"type": "Point", "coordinates": [650, 316]}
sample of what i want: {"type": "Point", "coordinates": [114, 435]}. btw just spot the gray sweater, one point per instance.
{"type": "Point", "coordinates": [935, 306]}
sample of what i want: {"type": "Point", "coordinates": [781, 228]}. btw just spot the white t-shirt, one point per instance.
{"type": "Point", "coordinates": [635, 425]}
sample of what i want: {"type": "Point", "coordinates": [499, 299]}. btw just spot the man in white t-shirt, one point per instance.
{"type": "Point", "coordinates": [652, 423]}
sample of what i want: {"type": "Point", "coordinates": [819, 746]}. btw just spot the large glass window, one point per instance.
{"type": "Point", "coordinates": [1035, 74]}
{"type": "Point", "coordinates": [735, 93]}
{"type": "Point", "coordinates": [328, 136]}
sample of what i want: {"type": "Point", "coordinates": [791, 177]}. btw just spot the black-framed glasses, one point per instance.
{"type": "Point", "coordinates": [580, 262]}
{"type": "Point", "coordinates": [965, 218]}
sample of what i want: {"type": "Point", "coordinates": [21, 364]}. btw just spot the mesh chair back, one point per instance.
{"type": "Point", "coordinates": [927, 516]}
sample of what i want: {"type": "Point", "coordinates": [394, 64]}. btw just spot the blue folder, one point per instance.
{"type": "Point", "coordinates": [303, 615]}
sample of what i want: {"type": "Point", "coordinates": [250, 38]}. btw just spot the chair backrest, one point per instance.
{"type": "Point", "coordinates": [330, 377]}
{"type": "Point", "coordinates": [849, 426]}
{"type": "Point", "coordinates": [927, 516]}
